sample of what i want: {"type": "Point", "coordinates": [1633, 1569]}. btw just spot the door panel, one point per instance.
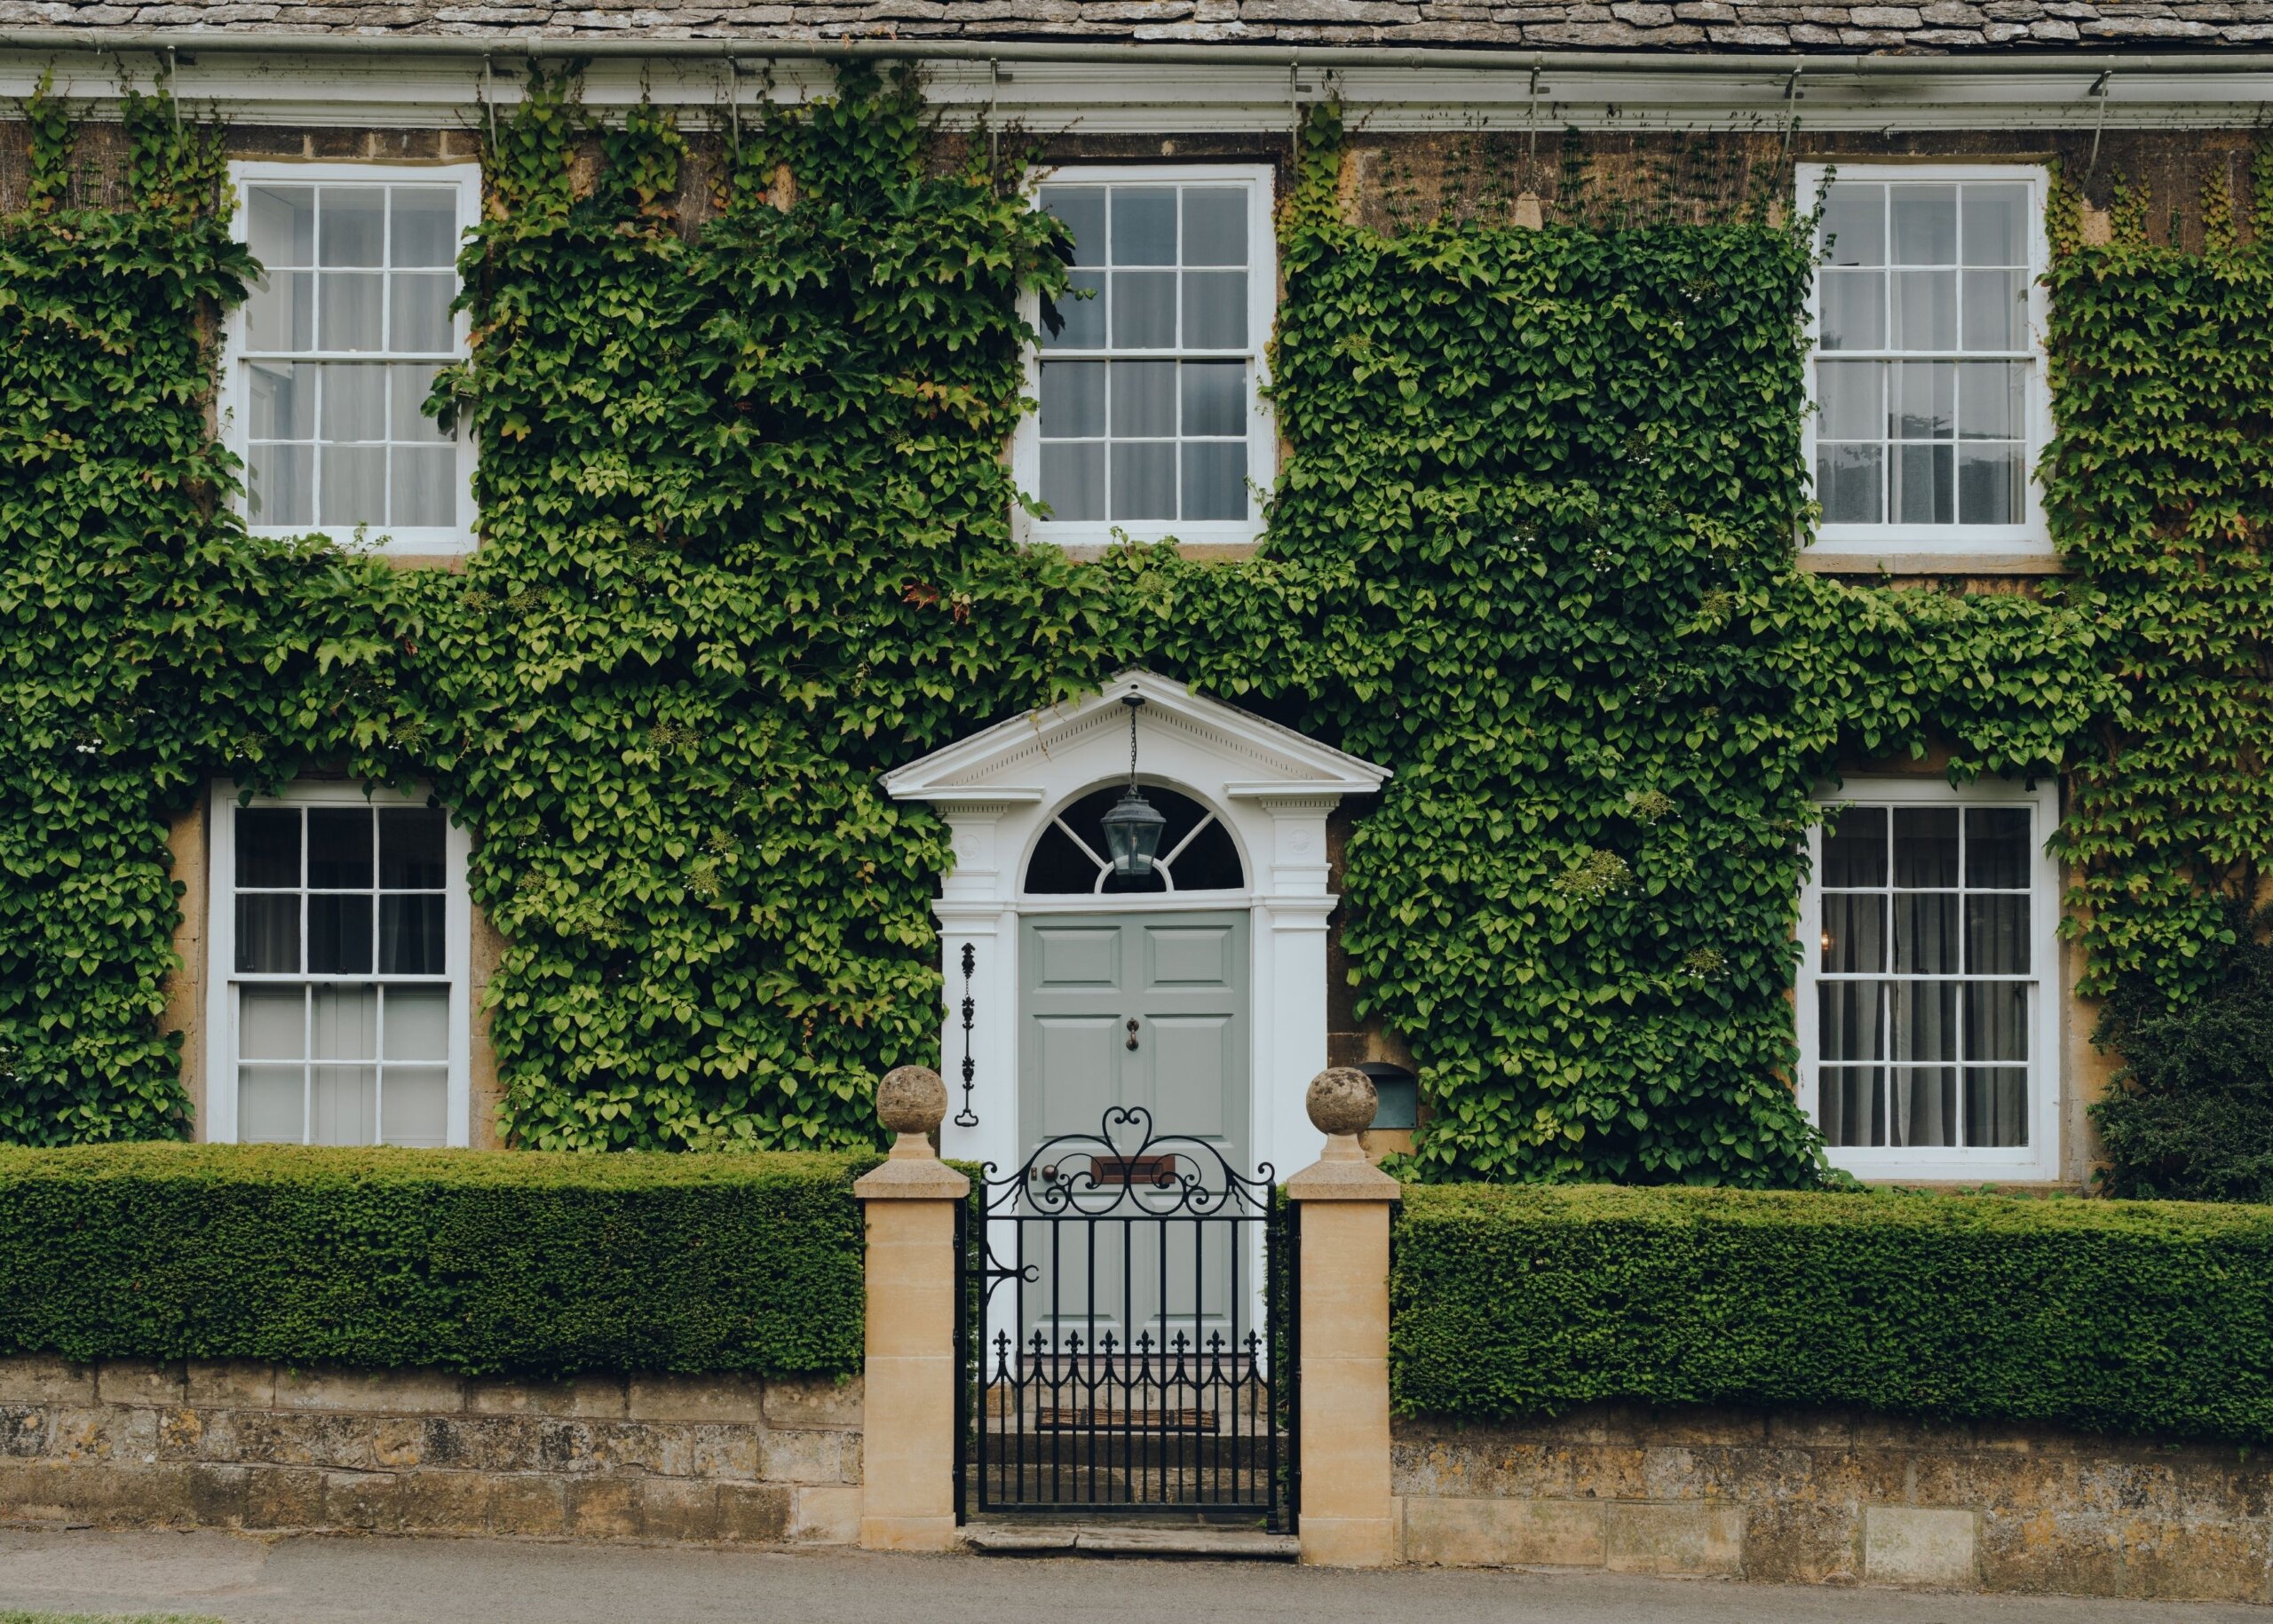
{"type": "Point", "coordinates": [1182, 980]}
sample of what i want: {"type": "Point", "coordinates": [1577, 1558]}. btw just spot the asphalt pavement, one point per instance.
{"type": "Point", "coordinates": [330, 1580]}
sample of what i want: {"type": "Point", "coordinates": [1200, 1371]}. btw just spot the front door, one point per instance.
{"type": "Point", "coordinates": [1141, 1012]}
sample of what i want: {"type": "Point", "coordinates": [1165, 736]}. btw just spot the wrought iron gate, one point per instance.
{"type": "Point", "coordinates": [1119, 1353]}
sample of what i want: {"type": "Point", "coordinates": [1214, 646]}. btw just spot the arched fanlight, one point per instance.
{"type": "Point", "coordinates": [1132, 828]}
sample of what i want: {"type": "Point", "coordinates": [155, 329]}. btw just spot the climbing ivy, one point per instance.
{"type": "Point", "coordinates": [746, 543]}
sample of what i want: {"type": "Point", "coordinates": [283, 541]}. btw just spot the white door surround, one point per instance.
{"type": "Point", "coordinates": [1272, 788]}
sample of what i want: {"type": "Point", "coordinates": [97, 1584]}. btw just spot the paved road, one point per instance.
{"type": "Point", "coordinates": [335, 1581]}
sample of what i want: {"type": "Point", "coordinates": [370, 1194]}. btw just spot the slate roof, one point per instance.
{"type": "Point", "coordinates": [1937, 26]}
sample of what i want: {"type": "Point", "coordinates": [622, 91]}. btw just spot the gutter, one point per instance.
{"type": "Point", "coordinates": [181, 42]}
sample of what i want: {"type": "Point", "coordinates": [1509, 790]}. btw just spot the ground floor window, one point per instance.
{"type": "Point", "coordinates": [339, 948]}
{"type": "Point", "coordinates": [1926, 992]}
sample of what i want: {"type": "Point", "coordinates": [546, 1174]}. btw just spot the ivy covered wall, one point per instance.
{"type": "Point", "coordinates": [746, 543]}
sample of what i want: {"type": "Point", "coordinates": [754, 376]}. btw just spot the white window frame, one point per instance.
{"type": "Point", "coordinates": [2040, 1158]}
{"type": "Point", "coordinates": [1262, 308]}
{"type": "Point", "coordinates": [2030, 538]}
{"type": "Point", "coordinates": [222, 978]}
{"type": "Point", "coordinates": [234, 399]}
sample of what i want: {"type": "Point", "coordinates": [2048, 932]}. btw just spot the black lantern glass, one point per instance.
{"type": "Point", "coordinates": [1132, 828]}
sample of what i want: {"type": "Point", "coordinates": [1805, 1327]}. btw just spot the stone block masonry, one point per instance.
{"type": "Point", "coordinates": [729, 1458]}
{"type": "Point", "coordinates": [1797, 1497]}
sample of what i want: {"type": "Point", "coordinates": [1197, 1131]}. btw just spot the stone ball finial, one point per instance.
{"type": "Point", "coordinates": [1341, 1101]}
{"type": "Point", "coordinates": [912, 1099]}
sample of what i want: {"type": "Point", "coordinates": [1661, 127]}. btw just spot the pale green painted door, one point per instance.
{"type": "Point", "coordinates": [1145, 1011]}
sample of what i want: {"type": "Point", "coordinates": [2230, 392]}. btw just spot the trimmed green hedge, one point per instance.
{"type": "Point", "coordinates": [470, 1261]}
{"type": "Point", "coordinates": [2112, 1316]}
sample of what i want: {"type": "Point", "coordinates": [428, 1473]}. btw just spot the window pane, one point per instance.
{"type": "Point", "coordinates": [1214, 398]}
{"type": "Point", "coordinates": [1925, 224]}
{"type": "Point", "coordinates": [1851, 481]}
{"type": "Point", "coordinates": [1925, 846]}
{"type": "Point", "coordinates": [1215, 226]}
{"type": "Point", "coordinates": [273, 1023]}
{"type": "Point", "coordinates": [1143, 310]}
{"type": "Point", "coordinates": [352, 221]}
{"type": "Point", "coordinates": [1214, 479]}
{"type": "Point", "coordinates": [1996, 1020]}
{"type": "Point", "coordinates": [349, 310]}
{"type": "Point", "coordinates": [1144, 480]}
{"type": "Point", "coordinates": [272, 1105]}
{"type": "Point", "coordinates": [425, 486]}
{"type": "Point", "coordinates": [412, 844]}
{"type": "Point", "coordinates": [339, 848]}
{"type": "Point", "coordinates": [1923, 1018]}
{"type": "Point", "coordinates": [1852, 1105]}
{"type": "Point", "coordinates": [407, 390]}
{"type": "Point", "coordinates": [1074, 323]}
{"type": "Point", "coordinates": [1081, 209]}
{"type": "Point", "coordinates": [1143, 398]}
{"type": "Point", "coordinates": [345, 1023]}
{"type": "Point", "coordinates": [410, 935]}
{"type": "Point", "coordinates": [1990, 487]}
{"type": "Point", "coordinates": [1996, 223]}
{"type": "Point", "coordinates": [268, 846]}
{"type": "Point", "coordinates": [1921, 1106]}
{"type": "Point", "coordinates": [283, 405]}
{"type": "Point", "coordinates": [345, 1099]}
{"type": "Point", "coordinates": [280, 485]}
{"type": "Point", "coordinates": [1854, 223]}
{"type": "Point", "coordinates": [339, 934]}
{"type": "Point", "coordinates": [1989, 400]}
{"type": "Point", "coordinates": [1925, 310]}
{"type": "Point", "coordinates": [1853, 304]}
{"type": "Point", "coordinates": [1996, 1105]}
{"type": "Point", "coordinates": [1854, 931]}
{"type": "Point", "coordinates": [418, 1023]}
{"type": "Point", "coordinates": [1996, 310]}
{"type": "Point", "coordinates": [421, 312]}
{"type": "Point", "coordinates": [268, 935]}
{"type": "Point", "coordinates": [1854, 847]}
{"type": "Point", "coordinates": [280, 313]}
{"type": "Point", "coordinates": [1849, 1020]}
{"type": "Point", "coordinates": [1072, 479]}
{"type": "Point", "coordinates": [354, 485]}
{"type": "Point", "coordinates": [280, 225]}
{"type": "Point", "coordinates": [1925, 400]}
{"type": "Point", "coordinates": [1853, 400]}
{"type": "Point", "coordinates": [1143, 224]}
{"type": "Point", "coordinates": [414, 1106]}
{"type": "Point", "coordinates": [1925, 934]}
{"type": "Point", "coordinates": [425, 226]}
{"type": "Point", "coordinates": [1997, 847]}
{"type": "Point", "coordinates": [1215, 310]}
{"type": "Point", "coordinates": [354, 402]}
{"type": "Point", "coordinates": [1073, 400]}
{"type": "Point", "coordinates": [1925, 485]}
{"type": "Point", "coordinates": [1996, 936]}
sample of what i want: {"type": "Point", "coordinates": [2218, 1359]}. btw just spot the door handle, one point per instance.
{"type": "Point", "coordinates": [1132, 1032]}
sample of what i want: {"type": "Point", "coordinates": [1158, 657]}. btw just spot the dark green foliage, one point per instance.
{"type": "Point", "coordinates": [2192, 1114]}
{"type": "Point", "coordinates": [2114, 1317]}
{"type": "Point", "coordinates": [532, 1264]}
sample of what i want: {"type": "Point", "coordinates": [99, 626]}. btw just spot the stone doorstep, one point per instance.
{"type": "Point", "coordinates": [1184, 1541]}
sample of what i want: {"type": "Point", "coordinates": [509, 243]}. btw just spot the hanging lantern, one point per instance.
{"type": "Point", "coordinates": [1132, 828]}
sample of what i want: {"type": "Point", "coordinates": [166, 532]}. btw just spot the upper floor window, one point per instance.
{"type": "Point", "coordinates": [1927, 1028]}
{"type": "Point", "coordinates": [1927, 373]}
{"type": "Point", "coordinates": [333, 355]}
{"type": "Point", "coordinates": [338, 1003]}
{"type": "Point", "coordinates": [1150, 371]}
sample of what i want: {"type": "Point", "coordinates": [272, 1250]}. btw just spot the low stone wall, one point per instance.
{"type": "Point", "coordinates": [133, 1444]}
{"type": "Point", "coordinates": [1809, 1498]}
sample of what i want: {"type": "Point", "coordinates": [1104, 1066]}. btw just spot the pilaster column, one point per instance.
{"type": "Point", "coordinates": [908, 1450]}
{"type": "Point", "coordinates": [1348, 1518]}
